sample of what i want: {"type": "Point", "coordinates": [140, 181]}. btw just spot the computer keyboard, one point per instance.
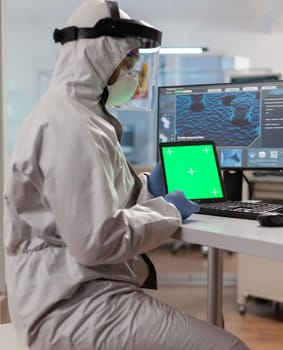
{"type": "Point", "coordinates": [239, 209]}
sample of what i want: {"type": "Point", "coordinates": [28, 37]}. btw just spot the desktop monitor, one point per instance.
{"type": "Point", "coordinates": [245, 120]}
{"type": "Point", "coordinates": [251, 78]}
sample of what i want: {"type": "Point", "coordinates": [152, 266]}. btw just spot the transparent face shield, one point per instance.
{"type": "Point", "coordinates": [143, 65]}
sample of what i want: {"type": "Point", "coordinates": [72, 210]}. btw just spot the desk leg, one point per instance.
{"type": "Point", "coordinates": [215, 287]}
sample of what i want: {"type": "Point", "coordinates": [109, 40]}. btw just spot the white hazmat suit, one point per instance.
{"type": "Point", "coordinates": [77, 219]}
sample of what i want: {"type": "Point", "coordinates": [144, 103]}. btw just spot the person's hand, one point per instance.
{"type": "Point", "coordinates": [155, 182]}
{"type": "Point", "coordinates": [185, 207]}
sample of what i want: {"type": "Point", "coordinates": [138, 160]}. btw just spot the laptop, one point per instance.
{"type": "Point", "coordinates": [192, 166]}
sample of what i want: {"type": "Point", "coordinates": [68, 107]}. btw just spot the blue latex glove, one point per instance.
{"type": "Point", "coordinates": [185, 207]}
{"type": "Point", "coordinates": [155, 182]}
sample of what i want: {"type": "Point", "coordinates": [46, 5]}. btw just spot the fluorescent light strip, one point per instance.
{"type": "Point", "coordinates": [181, 50]}
{"type": "Point", "coordinates": [151, 50]}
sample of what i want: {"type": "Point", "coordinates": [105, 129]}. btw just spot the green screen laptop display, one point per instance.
{"type": "Point", "coordinates": [192, 166]}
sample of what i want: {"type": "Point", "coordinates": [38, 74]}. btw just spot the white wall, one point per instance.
{"type": "Point", "coordinates": [30, 50]}
{"type": "Point", "coordinates": [265, 50]}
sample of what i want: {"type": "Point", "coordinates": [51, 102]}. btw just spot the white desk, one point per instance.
{"type": "Point", "coordinates": [238, 235]}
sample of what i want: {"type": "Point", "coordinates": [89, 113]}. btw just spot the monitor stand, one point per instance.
{"type": "Point", "coordinates": [233, 183]}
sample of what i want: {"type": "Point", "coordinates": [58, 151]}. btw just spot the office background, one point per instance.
{"type": "Point", "coordinates": [242, 36]}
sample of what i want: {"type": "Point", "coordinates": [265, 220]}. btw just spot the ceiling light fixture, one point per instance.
{"type": "Point", "coordinates": [182, 50]}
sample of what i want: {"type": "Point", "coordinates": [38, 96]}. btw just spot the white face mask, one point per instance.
{"type": "Point", "coordinates": [123, 89]}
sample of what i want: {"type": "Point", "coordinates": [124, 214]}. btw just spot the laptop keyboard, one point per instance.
{"type": "Point", "coordinates": [239, 209]}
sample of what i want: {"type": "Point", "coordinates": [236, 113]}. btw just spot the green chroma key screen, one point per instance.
{"type": "Point", "coordinates": [193, 168]}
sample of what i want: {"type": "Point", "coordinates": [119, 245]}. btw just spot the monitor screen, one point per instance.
{"type": "Point", "coordinates": [245, 120]}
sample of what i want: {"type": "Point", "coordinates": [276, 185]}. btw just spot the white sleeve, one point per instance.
{"type": "Point", "coordinates": [79, 188]}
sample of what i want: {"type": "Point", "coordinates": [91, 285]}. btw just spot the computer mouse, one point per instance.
{"type": "Point", "coordinates": [272, 218]}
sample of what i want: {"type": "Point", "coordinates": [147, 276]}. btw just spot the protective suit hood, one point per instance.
{"type": "Point", "coordinates": [84, 66]}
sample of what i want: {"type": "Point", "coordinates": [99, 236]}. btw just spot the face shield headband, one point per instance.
{"type": "Point", "coordinates": [114, 26]}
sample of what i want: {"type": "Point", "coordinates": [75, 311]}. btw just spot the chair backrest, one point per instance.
{"type": "Point", "coordinates": [9, 339]}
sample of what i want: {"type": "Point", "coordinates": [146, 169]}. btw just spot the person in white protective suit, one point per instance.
{"type": "Point", "coordinates": [78, 221]}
